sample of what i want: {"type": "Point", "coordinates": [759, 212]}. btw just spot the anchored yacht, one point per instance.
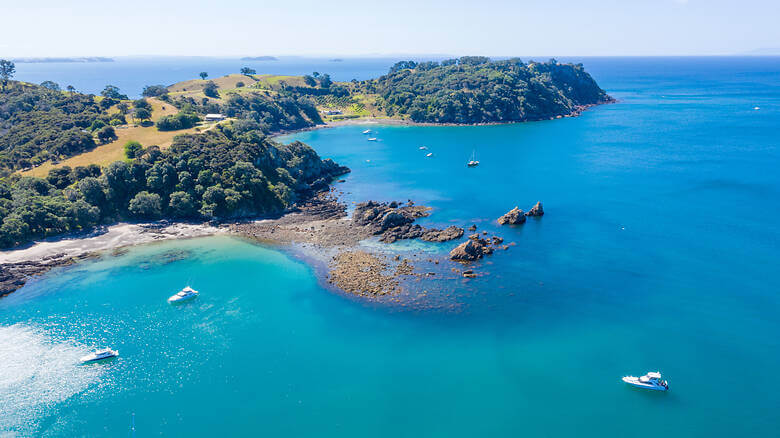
{"type": "Point", "coordinates": [473, 161]}
{"type": "Point", "coordinates": [651, 381]}
{"type": "Point", "coordinates": [185, 294]}
{"type": "Point", "coordinates": [99, 355]}
{"type": "Point", "coordinates": [367, 131]}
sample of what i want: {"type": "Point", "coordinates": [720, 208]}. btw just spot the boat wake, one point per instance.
{"type": "Point", "coordinates": [36, 373]}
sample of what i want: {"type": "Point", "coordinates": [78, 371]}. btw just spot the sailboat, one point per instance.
{"type": "Point", "coordinates": [473, 161]}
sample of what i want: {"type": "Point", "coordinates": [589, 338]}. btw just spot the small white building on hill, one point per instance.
{"type": "Point", "coordinates": [214, 117]}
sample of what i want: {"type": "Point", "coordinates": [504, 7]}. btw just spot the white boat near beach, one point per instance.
{"type": "Point", "coordinates": [650, 381]}
{"type": "Point", "coordinates": [373, 139]}
{"type": "Point", "coordinates": [367, 131]}
{"type": "Point", "coordinates": [99, 355]}
{"type": "Point", "coordinates": [185, 294]}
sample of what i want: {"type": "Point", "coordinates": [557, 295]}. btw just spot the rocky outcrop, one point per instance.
{"type": "Point", "coordinates": [536, 210]}
{"type": "Point", "coordinates": [514, 216]}
{"type": "Point", "coordinates": [435, 235]}
{"type": "Point", "coordinates": [393, 221]}
{"type": "Point", "coordinates": [473, 249]}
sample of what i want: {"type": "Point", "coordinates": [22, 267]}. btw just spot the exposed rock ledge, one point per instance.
{"type": "Point", "coordinates": [392, 222]}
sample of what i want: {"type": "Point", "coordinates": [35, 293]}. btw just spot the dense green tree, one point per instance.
{"type": "Point", "coordinates": [182, 205]}
{"type": "Point", "coordinates": [182, 120]}
{"type": "Point", "coordinates": [309, 80]}
{"type": "Point", "coordinates": [7, 70]}
{"type": "Point", "coordinates": [211, 90]}
{"type": "Point", "coordinates": [142, 114]}
{"type": "Point", "coordinates": [146, 205]}
{"type": "Point", "coordinates": [49, 85]}
{"type": "Point", "coordinates": [325, 81]}
{"type": "Point", "coordinates": [107, 134]}
{"type": "Point", "coordinates": [112, 92]}
{"type": "Point", "coordinates": [154, 91]}
{"type": "Point", "coordinates": [248, 71]}
{"type": "Point", "coordinates": [133, 149]}
{"type": "Point", "coordinates": [60, 177]}
{"type": "Point", "coordinates": [203, 75]}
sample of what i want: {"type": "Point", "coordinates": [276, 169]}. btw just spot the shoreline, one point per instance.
{"type": "Point", "coordinates": [391, 121]}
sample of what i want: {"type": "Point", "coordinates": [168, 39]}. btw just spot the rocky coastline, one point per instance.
{"type": "Point", "coordinates": [320, 223]}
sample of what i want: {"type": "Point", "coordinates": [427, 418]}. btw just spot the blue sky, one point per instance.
{"type": "Point", "coordinates": [346, 27]}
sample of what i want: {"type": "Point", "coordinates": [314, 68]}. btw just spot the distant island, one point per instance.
{"type": "Point", "coordinates": [259, 58]}
{"type": "Point", "coordinates": [81, 59]}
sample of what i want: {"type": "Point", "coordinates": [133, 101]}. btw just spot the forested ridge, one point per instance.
{"type": "Point", "coordinates": [474, 89]}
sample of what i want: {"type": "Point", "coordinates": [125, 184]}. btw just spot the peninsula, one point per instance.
{"type": "Point", "coordinates": [202, 150]}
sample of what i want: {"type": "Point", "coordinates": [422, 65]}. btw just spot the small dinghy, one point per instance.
{"type": "Point", "coordinates": [99, 355]}
{"type": "Point", "coordinates": [423, 148]}
{"type": "Point", "coordinates": [185, 294]}
{"type": "Point", "coordinates": [373, 139]}
{"type": "Point", "coordinates": [650, 381]}
{"type": "Point", "coordinates": [429, 154]}
{"type": "Point", "coordinates": [367, 131]}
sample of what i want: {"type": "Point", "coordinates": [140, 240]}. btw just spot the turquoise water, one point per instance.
{"type": "Point", "coordinates": [658, 252]}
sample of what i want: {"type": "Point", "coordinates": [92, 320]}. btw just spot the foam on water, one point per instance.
{"type": "Point", "coordinates": [37, 372]}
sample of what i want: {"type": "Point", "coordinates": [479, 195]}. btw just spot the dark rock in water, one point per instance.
{"type": "Point", "coordinates": [469, 273]}
{"type": "Point", "coordinates": [514, 216]}
{"type": "Point", "coordinates": [472, 249]}
{"type": "Point", "coordinates": [435, 235]}
{"type": "Point", "coordinates": [473, 227]}
{"type": "Point", "coordinates": [536, 210]}
{"type": "Point", "coordinates": [497, 240]}
{"type": "Point", "coordinates": [393, 205]}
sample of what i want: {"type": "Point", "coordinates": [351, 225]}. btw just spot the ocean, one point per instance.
{"type": "Point", "coordinates": [658, 251]}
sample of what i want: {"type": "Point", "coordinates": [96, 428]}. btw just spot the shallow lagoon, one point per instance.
{"type": "Point", "coordinates": [658, 251]}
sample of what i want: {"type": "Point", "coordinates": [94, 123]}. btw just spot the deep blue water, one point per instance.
{"type": "Point", "coordinates": [658, 251]}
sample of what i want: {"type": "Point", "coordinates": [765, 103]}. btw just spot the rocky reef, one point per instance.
{"type": "Point", "coordinates": [516, 216]}
{"type": "Point", "coordinates": [394, 221]}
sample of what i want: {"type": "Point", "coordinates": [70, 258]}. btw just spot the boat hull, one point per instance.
{"type": "Point", "coordinates": [638, 384]}
{"type": "Point", "coordinates": [177, 300]}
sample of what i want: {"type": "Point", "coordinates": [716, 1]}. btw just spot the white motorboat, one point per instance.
{"type": "Point", "coordinates": [422, 148]}
{"type": "Point", "coordinates": [429, 154]}
{"type": "Point", "coordinates": [367, 131]}
{"type": "Point", "coordinates": [99, 355]}
{"type": "Point", "coordinates": [373, 139]}
{"type": "Point", "coordinates": [185, 294]}
{"type": "Point", "coordinates": [650, 381]}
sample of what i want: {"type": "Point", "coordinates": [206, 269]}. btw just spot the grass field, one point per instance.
{"type": "Point", "coordinates": [110, 152]}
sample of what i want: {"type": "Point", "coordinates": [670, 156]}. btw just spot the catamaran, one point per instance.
{"type": "Point", "coordinates": [651, 381]}
{"type": "Point", "coordinates": [99, 355]}
{"type": "Point", "coordinates": [185, 294]}
{"type": "Point", "coordinates": [473, 161]}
